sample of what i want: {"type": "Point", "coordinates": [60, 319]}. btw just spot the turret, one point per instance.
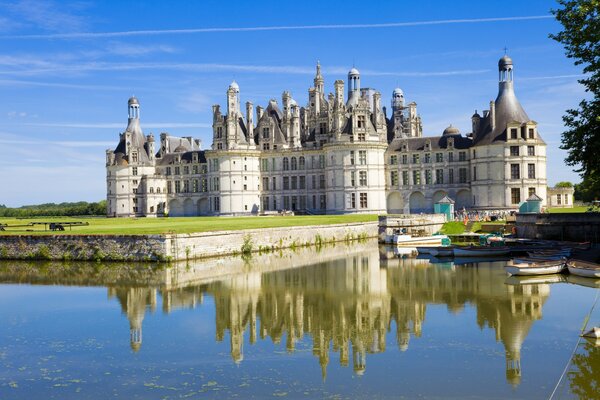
{"type": "Point", "coordinates": [353, 82]}
{"type": "Point", "coordinates": [397, 99]}
{"type": "Point", "coordinates": [233, 99]}
{"type": "Point", "coordinates": [319, 81]}
{"type": "Point", "coordinates": [249, 120]}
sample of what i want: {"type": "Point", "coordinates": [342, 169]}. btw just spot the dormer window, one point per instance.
{"type": "Point", "coordinates": [134, 157]}
{"type": "Point", "coordinates": [361, 121]}
{"type": "Point", "coordinates": [514, 133]}
{"type": "Point", "coordinates": [531, 133]}
{"type": "Point", "coordinates": [265, 133]}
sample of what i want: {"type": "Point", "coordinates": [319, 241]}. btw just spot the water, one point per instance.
{"type": "Point", "coordinates": [342, 322]}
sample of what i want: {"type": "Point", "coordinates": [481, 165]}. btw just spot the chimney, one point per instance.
{"type": "Point", "coordinates": [492, 115]}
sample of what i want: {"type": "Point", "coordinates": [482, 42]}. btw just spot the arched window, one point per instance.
{"type": "Point", "coordinates": [157, 190]}
{"type": "Point", "coordinates": [294, 164]}
{"type": "Point", "coordinates": [286, 164]}
{"type": "Point", "coordinates": [302, 163]}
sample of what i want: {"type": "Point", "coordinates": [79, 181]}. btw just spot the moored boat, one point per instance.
{"type": "Point", "coordinates": [408, 240]}
{"type": "Point", "coordinates": [442, 251]}
{"type": "Point", "coordinates": [481, 251]}
{"type": "Point", "coordinates": [535, 268]}
{"type": "Point", "coordinates": [584, 269]}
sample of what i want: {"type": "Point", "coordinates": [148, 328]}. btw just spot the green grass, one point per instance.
{"type": "Point", "coordinates": [141, 226]}
{"type": "Point", "coordinates": [578, 209]}
{"type": "Point", "coordinates": [453, 228]}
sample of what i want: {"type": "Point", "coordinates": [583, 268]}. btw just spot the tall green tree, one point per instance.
{"type": "Point", "coordinates": [581, 38]}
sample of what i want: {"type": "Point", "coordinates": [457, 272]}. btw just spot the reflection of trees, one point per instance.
{"type": "Point", "coordinates": [584, 377]}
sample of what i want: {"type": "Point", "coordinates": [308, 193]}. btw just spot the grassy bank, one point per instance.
{"type": "Point", "coordinates": [578, 209]}
{"type": "Point", "coordinates": [141, 226]}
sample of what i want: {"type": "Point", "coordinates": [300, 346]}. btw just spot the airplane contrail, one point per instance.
{"type": "Point", "coordinates": [92, 35]}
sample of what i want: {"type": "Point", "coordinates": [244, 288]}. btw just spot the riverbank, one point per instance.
{"type": "Point", "coordinates": [178, 247]}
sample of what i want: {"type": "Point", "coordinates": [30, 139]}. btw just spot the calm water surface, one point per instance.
{"type": "Point", "coordinates": [342, 322]}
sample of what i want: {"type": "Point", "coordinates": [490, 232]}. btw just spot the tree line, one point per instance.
{"type": "Point", "coordinates": [55, 209]}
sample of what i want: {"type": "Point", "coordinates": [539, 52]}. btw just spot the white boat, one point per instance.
{"type": "Point", "coordinates": [481, 251]}
{"type": "Point", "coordinates": [593, 333]}
{"type": "Point", "coordinates": [408, 240]}
{"type": "Point", "coordinates": [535, 267]}
{"type": "Point", "coordinates": [584, 268]}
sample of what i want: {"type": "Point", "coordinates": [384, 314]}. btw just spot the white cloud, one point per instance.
{"type": "Point", "coordinates": [89, 35]}
{"type": "Point", "coordinates": [47, 15]}
{"type": "Point", "coordinates": [120, 125]}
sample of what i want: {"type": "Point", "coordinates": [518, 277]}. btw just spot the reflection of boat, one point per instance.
{"type": "Point", "coordinates": [404, 251]}
{"type": "Point", "coordinates": [535, 280]}
{"type": "Point", "coordinates": [408, 240]}
{"type": "Point", "coordinates": [584, 269]}
{"type": "Point", "coordinates": [429, 249]}
{"type": "Point", "coordinates": [581, 281]}
{"type": "Point", "coordinates": [442, 251]}
{"type": "Point", "coordinates": [481, 251]}
{"type": "Point", "coordinates": [530, 267]}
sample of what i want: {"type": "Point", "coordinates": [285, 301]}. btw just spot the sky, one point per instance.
{"type": "Point", "coordinates": [67, 69]}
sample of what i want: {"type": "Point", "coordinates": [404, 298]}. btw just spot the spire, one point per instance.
{"type": "Point", "coordinates": [319, 81]}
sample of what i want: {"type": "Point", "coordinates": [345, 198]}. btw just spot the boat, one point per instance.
{"type": "Point", "coordinates": [581, 281]}
{"type": "Point", "coordinates": [408, 240]}
{"type": "Point", "coordinates": [593, 333]}
{"type": "Point", "coordinates": [481, 251]}
{"type": "Point", "coordinates": [584, 268]}
{"type": "Point", "coordinates": [535, 267]}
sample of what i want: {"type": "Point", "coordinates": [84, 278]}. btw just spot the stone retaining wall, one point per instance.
{"type": "Point", "coordinates": [176, 247]}
{"type": "Point", "coordinates": [578, 227]}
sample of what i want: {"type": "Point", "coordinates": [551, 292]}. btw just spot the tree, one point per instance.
{"type": "Point", "coordinates": [564, 184]}
{"type": "Point", "coordinates": [581, 37]}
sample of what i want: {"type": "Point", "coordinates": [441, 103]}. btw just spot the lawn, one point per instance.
{"type": "Point", "coordinates": [140, 226]}
{"type": "Point", "coordinates": [578, 209]}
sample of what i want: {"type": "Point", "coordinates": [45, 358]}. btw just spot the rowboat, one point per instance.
{"type": "Point", "coordinates": [408, 240]}
{"type": "Point", "coordinates": [584, 268]}
{"type": "Point", "coordinates": [480, 251]}
{"type": "Point", "coordinates": [535, 268]}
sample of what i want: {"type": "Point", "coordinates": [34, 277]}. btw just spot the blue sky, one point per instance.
{"type": "Point", "coordinates": [68, 68]}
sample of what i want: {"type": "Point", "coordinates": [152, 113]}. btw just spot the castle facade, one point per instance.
{"type": "Point", "coordinates": [341, 153]}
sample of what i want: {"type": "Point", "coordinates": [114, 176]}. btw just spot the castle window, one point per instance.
{"type": "Point", "coordinates": [352, 200]}
{"type": "Point", "coordinates": [362, 157]}
{"type": "Point", "coordinates": [427, 158]}
{"type": "Point", "coordinates": [321, 161]}
{"type": "Point", "coordinates": [404, 159]}
{"type": "Point", "coordinates": [361, 121]}
{"type": "Point", "coordinates": [195, 169]}
{"type": "Point", "coordinates": [531, 133]}
{"type": "Point", "coordinates": [351, 157]}
{"type": "Point", "coordinates": [177, 171]}
{"type": "Point", "coordinates": [265, 183]}
{"type": "Point", "coordinates": [274, 186]}
{"type": "Point", "coordinates": [363, 200]}
{"type": "Point", "coordinates": [286, 183]}
{"type": "Point", "coordinates": [514, 150]}
{"type": "Point", "coordinates": [474, 173]}
{"type": "Point", "coordinates": [265, 133]}
{"type": "Point", "coordinates": [302, 163]}
{"type": "Point", "coordinates": [362, 136]}
{"type": "Point", "coordinates": [245, 187]}
{"type": "Point", "coordinates": [294, 164]}
{"type": "Point", "coordinates": [415, 159]}
{"type": "Point", "coordinates": [462, 175]}
{"type": "Point", "coordinates": [219, 146]}
{"type": "Point", "coordinates": [352, 178]}
{"type": "Point", "coordinates": [439, 176]}
{"type": "Point", "coordinates": [294, 182]}
{"type": "Point", "coordinates": [321, 181]}
{"type": "Point", "coordinates": [195, 185]}
{"type": "Point", "coordinates": [203, 168]}
{"type": "Point", "coordinates": [405, 178]}
{"type": "Point", "coordinates": [157, 190]}
{"type": "Point", "coordinates": [416, 177]}
{"type": "Point", "coordinates": [439, 157]}
{"type": "Point", "coordinates": [450, 176]}
{"type": "Point", "coordinates": [428, 177]}
{"type": "Point", "coordinates": [515, 195]}
{"type": "Point", "coordinates": [169, 189]}
{"type": "Point", "coordinates": [531, 150]}
{"type": "Point", "coordinates": [186, 170]}
{"type": "Point", "coordinates": [462, 156]}
{"type": "Point", "coordinates": [323, 201]}
{"type": "Point", "coordinates": [566, 199]}
{"type": "Point", "coordinates": [186, 186]}
{"type": "Point", "coordinates": [266, 146]}
{"type": "Point", "coordinates": [531, 191]}
{"type": "Point", "coordinates": [204, 185]}
{"type": "Point", "coordinates": [450, 157]}
{"type": "Point", "coordinates": [515, 172]}
{"type": "Point", "coordinates": [394, 178]}
{"type": "Point", "coordinates": [177, 186]}
{"type": "Point", "coordinates": [362, 178]}
{"type": "Point", "coordinates": [134, 157]}
{"type": "Point", "coordinates": [302, 183]}
{"type": "Point", "coordinates": [531, 171]}
{"type": "Point", "coordinates": [322, 128]}
{"type": "Point", "coordinates": [394, 160]}
{"type": "Point", "coordinates": [151, 190]}
{"type": "Point", "coordinates": [286, 164]}
{"type": "Point", "coordinates": [134, 171]}
{"type": "Point", "coordinates": [219, 134]}
{"type": "Point", "coordinates": [514, 133]}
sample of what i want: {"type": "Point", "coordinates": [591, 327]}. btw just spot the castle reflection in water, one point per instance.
{"type": "Point", "coordinates": [344, 297]}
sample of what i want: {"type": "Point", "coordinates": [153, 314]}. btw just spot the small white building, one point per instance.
{"type": "Point", "coordinates": [340, 153]}
{"type": "Point", "coordinates": [560, 197]}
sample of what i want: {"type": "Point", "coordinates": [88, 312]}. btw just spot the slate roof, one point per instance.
{"type": "Point", "coordinates": [437, 143]}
